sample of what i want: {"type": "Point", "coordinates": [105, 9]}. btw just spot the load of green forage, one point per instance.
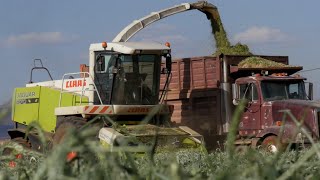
{"type": "Point", "coordinates": [259, 62]}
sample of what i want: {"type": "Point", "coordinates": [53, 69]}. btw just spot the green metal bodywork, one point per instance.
{"type": "Point", "coordinates": [37, 104]}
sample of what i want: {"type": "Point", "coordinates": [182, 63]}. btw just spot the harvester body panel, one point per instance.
{"type": "Point", "coordinates": [37, 104]}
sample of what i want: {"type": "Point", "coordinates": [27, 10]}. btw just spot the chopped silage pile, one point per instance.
{"type": "Point", "coordinates": [259, 62]}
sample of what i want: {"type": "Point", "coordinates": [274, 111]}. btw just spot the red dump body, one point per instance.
{"type": "Point", "coordinates": [197, 95]}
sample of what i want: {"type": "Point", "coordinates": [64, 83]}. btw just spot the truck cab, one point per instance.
{"type": "Point", "coordinates": [270, 101]}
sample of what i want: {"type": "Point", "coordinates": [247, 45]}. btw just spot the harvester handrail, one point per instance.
{"type": "Point", "coordinates": [35, 67]}
{"type": "Point", "coordinates": [85, 74]}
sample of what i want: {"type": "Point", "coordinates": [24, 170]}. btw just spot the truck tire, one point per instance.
{"type": "Point", "coordinates": [64, 125]}
{"type": "Point", "coordinates": [19, 140]}
{"type": "Point", "coordinates": [271, 144]}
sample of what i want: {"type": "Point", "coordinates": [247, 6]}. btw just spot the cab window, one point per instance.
{"type": "Point", "coordinates": [248, 91]}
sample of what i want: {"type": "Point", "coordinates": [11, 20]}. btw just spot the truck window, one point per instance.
{"type": "Point", "coordinates": [249, 92]}
{"type": "Point", "coordinates": [293, 91]}
{"type": "Point", "coordinates": [278, 90]}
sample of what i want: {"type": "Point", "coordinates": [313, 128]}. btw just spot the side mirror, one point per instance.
{"type": "Point", "coordinates": [235, 94]}
{"type": "Point", "coordinates": [115, 70]}
{"type": "Point", "coordinates": [100, 64]}
{"type": "Point", "coordinates": [164, 71]}
{"type": "Point", "coordinates": [168, 62]}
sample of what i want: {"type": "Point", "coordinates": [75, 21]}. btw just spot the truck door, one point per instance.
{"type": "Point", "coordinates": [250, 121]}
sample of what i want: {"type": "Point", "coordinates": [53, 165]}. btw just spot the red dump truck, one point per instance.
{"type": "Point", "coordinates": [206, 90]}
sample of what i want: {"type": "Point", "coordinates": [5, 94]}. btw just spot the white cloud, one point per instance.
{"type": "Point", "coordinates": [38, 38]}
{"type": "Point", "coordinates": [260, 35]}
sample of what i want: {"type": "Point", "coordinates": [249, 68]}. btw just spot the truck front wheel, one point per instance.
{"type": "Point", "coordinates": [271, 144]}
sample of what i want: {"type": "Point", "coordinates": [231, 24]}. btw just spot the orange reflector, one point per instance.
{"type": "Point", "coordinates": [278, 123]}
{"type": "Point", "coordinates": [19, 156]}
{"type": "Point", "coordinates": [167, 44]}
{"type": "Point", "coordinates": [104, 45]}
{"type": "Point", "coordinates": [12, 164]}
{"type": "Point", "coordinates": [71, 155]}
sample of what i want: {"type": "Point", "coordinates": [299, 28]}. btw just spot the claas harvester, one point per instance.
{"type": "Point", "coordinates": [121, 85]}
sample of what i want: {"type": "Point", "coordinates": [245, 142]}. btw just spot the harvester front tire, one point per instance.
{"type": "Point", "coordinates": [64, 125]}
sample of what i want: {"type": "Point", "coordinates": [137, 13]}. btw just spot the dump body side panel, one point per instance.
{"type": "Point", "coordinates": [194, 73]}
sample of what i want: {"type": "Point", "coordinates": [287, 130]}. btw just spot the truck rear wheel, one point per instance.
{"type": "Point", "coordinates": [271, 144]}
{"type": "Point", "coordinates": [64, 125]}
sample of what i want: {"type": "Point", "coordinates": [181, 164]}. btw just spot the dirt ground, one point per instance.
{"type": "Point", "coordinates": [2, 141]}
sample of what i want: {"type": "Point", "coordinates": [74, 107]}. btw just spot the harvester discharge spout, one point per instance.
{"type": "Point", "coordinates": [209, 9]}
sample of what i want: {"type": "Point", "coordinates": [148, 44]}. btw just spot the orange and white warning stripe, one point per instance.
{"type": "Point", "coordinates": [98, 110]}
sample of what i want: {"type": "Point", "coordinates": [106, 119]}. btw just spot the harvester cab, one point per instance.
{"type": "Point", "coordinates": [122, 81]}
{"type": "Point", "coordinates": [127, 73]}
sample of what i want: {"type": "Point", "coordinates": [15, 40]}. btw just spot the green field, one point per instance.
{"type": "Point", "coordinates": [93, 161]}
{"type": "Point", "coordinates": [82, 157]}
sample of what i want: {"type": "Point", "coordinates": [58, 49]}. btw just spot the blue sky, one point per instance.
{"type": "Point", "coordinates": [60, 32]}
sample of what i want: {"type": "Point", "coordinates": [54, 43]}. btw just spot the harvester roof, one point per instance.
{"type": "Point", "coordinates": [130, 47]}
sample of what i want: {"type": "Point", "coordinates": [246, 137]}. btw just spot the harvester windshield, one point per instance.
{"type": "Point", "coordinates": [128, 79]}
{"type": "Point", "coordinates": [279, 90]}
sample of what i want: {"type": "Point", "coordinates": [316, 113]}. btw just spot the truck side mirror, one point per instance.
{"type": "Point", "coordinates": [168, 62]}
{"type": "Point", "coordinates": [235, 94]}
{"type": "Point", "coordinates": [310, 91]}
